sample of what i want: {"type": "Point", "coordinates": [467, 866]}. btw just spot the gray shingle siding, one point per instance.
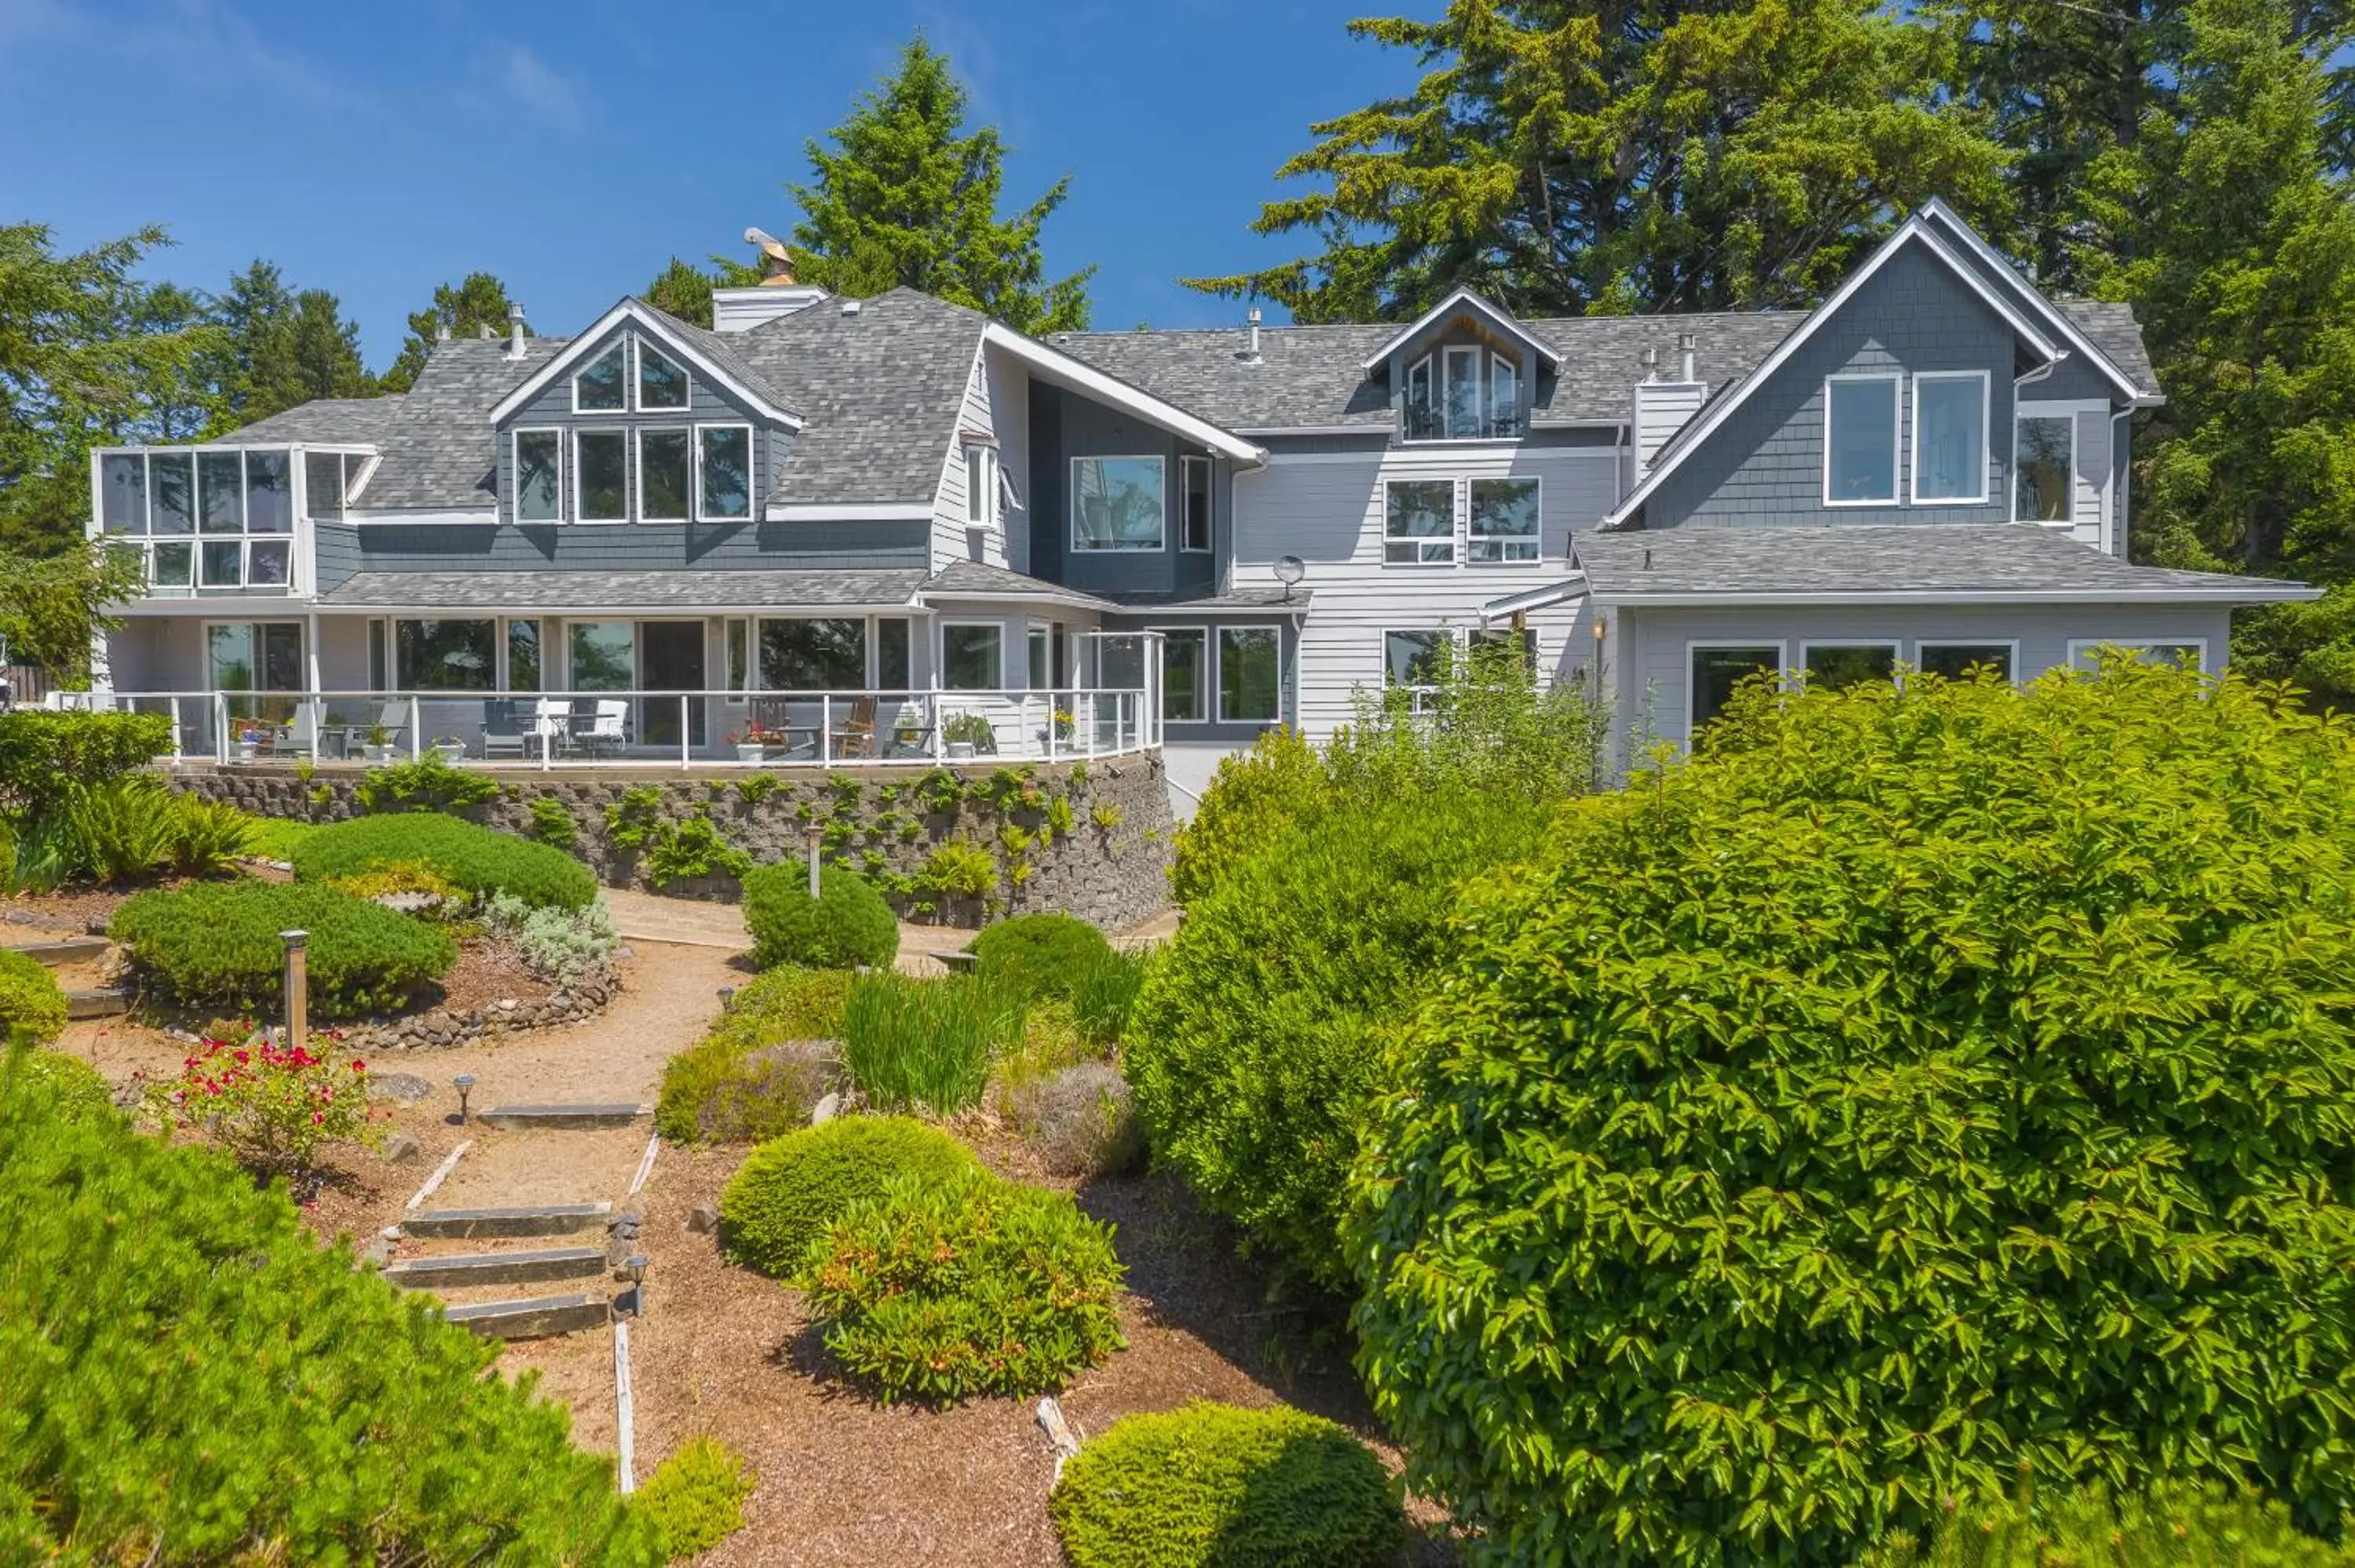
{"type": "Point", "coordinates": [633, 547]}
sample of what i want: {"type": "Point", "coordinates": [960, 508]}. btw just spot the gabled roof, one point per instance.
{"type": "Point", "coordinates": [704, 352]}
{"type": "Point", "coordinates": [1999, 270]}
{"type": "Point", "coordinates": [1052, 365]}
{"type": "Point", "coordinates": [440, 452]}
{"type": "Point", "coordinates": [329, 421]}
{"type": "Point", "coordinates": [1462, 299]}
{"type": "Point", "coordinates": [1962, 563]}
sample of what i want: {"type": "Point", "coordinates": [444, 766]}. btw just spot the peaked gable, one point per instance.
{"type": "Point", "coordinates": [701, 352]}
{"type": "Point", "coordinates": [1464, 302]}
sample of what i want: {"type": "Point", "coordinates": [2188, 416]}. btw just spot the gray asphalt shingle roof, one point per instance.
{"type": "Point", "coordinates": [1987, 559]}
{"type": "Point", "coordinates": [438, 450]}
{"type": "Point", "coordinates": [982, 580]}
{"type": "Point", "coordinates": [358, 421]}
{"type": "Point", "coordinates": [689, 590]}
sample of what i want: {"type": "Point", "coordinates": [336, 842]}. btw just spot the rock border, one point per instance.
{"type": "Point", "coordinates": [442, 1030]}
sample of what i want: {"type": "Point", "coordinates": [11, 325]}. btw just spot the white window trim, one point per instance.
{"type": "Point", "coordinates": [941, 655]}
{"type": "Point", "coordinates": [1186, 466]}
{"type": "Point", "coordinates": [751, 488]}
{"type": "Point", "coordinates": [1700, 645]}
{"type": "Point", "coordinates": [1896, 441]}
{"type": "Point", "coordinates": [1896, 646]}
{"type": "Point", "coordinates": [514, 472]}
{"type": "Point", "coordinates": [2086, 645]}
{"type": "Point", "coordinates": [1987, 436]}
{"type": "Point", "coordinates": [1429, 373]}
{"type": "Point", "coordinates": [1219, 669]}
{"type": "Point", "coordinates": [1447, 351]}
{"type": "Point", "coordinates": [580, 513]}
{"type": "Point", "coordinates": [638, 434]}
{"type": "Point", "coordinates": [2011, 643]}
{"type": "Point", "coordinates": [638, 382]}
{"type": "Point", "coordinates": [2064, 411]}
{"type": "Point", "coordinates": [629, 373]}
{"type": "Point", "coordinates": [1205, 682]}
{"type": "Point", "coordinates": [983, 476]}
{"type": "Point", "coordinates": [1455, 507]}
{"type": "Point", "coordinates": [1452, 635]}
{"type": "Point", "coordinates": [1470, 536]}
{"type": "Point", "coordinates": [1158, 546]}
{"type": "Point", "coordinates": [498, 624]}
{"type": "Point", "coordinates": [1511, 366]}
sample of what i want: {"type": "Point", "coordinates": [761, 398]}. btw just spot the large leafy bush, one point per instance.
{"type": "Point", "coordinates": [125, 829]}
{"type": "Point", "coordinates": [764, 1065]}
{"type": "Point", "coordinates": [1213, 1486]}
{"type": "Point", "coordinates": [1923, 1082]}
{"type": "Point", "coordinates": [942, 1288]}
{"type": "Point", "coordinates": [186, 1377]}
{"type": "Point", "coordinates": [1039, 955]}
{"type": "Point", "coordinates": [791, 1189]}
{"type": "Point", "coordinates": [216, 945]}
{"type": "Point", "coordinates": [30, 1000]}
{"type": "Point", "coordinates": [2175, 1525]}
{"type": "Point", "coordinates": [847, 925]}
{"type": "Point", "coordinates": [468, 857]}
{"type": "Point", "coordinates": [46, 752]}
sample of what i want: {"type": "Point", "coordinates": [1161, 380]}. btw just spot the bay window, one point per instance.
{"type": "Point", "coordinates": [1859, 439]}
{"type": "Point", "coordinates": [2043, 465]}
{"type": "Point", "coordinates": [1950, 423]}
{"type": "Point", "coordinates": [1418, 521]}
{"type": "Point", "coordinates": [1504, 520]}
{"type": "Point", "coordinates": [1117, 504]}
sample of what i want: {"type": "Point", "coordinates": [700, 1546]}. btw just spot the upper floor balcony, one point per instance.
{"type": "Point", "coordinates": [1464, 392]}
{"type": "Point", "coordinates": [227, 519]}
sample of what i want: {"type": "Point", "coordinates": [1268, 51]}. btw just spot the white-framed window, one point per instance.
{"type": "Point", "coordinates": [1251, 674]}
{"type": "Point", "coordinates": [736, 645]}
{"type": "Point", "coordinates": [1418, 521]}
{"type": "Point", "coordinates": [1037, 643]}
{"type": "Point", "coordinates": [1184, 674]}
{"type": "Point", "coordinates": [1504, 397]}
{"type": "Point", "coordinates": [1860, 414]}
{"type": "Point", "coordinates": [1119, 503]}
{"type": "Point", "coordinates": [2182, 652]}
{"type": "Point", "coordinates": [981, 498]}
{"type": "Point", "coordinates": [1422, 411]}
{"type": "Point", "coordinates": [1503, 522]}
{"type": "Point", "coordinates": [723, 472]}
{"type": "Point", "coordinates": [666, 473]}
{"type": "Point", "coordinates": [1955, 660]}
{"type": "Point", "coordinates": [1413, 658]}
{"type": "Point", "coordinates": [602, 386]}
{"type": "Point", "coordinates": [1194, 505]}
{"type": "Point", "coordinates": [1838, 665]}
{"type": "Point", "coordinates": [538, 462]}
{"type": "Point", "coordinates": [972, 655]}
{"type": "Point", "coordinates": [1713, 671]}
{"type": "Point", "coordinates": [1525, 639]}
{"type": "Point", "coordinates": [663, 384]}
{"type": "Point", "coordinates": [1950, 437]}
{"type": "Point", "coordinates": [2044, 468]}
{"type": "Point", "coordinates": [446, 654]}
{"type": "Point", "coordinates": [211, 517]}
{"type": "Point", "coordinates": [601, 476]}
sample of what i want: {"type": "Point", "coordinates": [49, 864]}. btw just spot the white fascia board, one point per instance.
{"type": "Point", "coordinates": [437, 516]}
{"type": "Point", "coordinates": [1463, 299]}
{"type": "Point", "coordinates": [1715, 415]}
{"type": "Point", "coordinates": [856, 512]}
{"type": "Point", "coordinates": [2058, 318]}
{"type": "Point", "coordinates": [949, 598]}
{"type": "Point", "coordinates": [1572, 587]}
{"type": "Point", "coordinates": [409, 608]}
{"type": "Point", "coordinates": [2246, 595]}
{"type": "Point", "coordinates": [1060, 369]}
{"type": "Point", "coordinates": [648, 320]}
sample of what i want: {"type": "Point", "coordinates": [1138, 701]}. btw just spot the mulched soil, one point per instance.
{"type": "Point", "coordinates": [85, 909]}
{"type": "Point", "coordinates": [486, 973]}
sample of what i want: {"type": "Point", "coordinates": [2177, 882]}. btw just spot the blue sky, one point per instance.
{"type": "Point", "coordinates": [376, 150]}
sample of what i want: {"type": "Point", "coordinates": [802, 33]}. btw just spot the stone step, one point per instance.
{"type": "Point", "coordinates": [533, 1317]}
{"type": "Point", "coordinates": [523, 1118]}
{"type": "Point", "coordinates": [101, 1002]}
{"type": "Point", "coordinates": [540, 1219]}
{"type": "Point", "coordinates": [67, 949]}
{"type": "Point", "coordinates": [462, 1271]}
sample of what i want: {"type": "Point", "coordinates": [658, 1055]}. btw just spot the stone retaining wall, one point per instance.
{"type": "Point", "coordinates": [1109, 863]}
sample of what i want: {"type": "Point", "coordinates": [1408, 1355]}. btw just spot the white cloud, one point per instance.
{"type": "Point", "coordinates": [545, 93]}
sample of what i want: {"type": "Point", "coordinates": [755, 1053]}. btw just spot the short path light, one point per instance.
{"type": "Point", "coordinates": [636, 1267]}
{"type": "Point", "coordinates": [464, 1084]}
{"type": "Point", "coordinates": [816, 836]}
{"type": "Point", "coordinates": [727, 997]}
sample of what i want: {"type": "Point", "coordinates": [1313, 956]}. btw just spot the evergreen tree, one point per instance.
{"type": "Point", "coordinates": [1572, 155]}
{"type": "Point", "coordinates": [682, 290]}
{"type": "Point", "coordinates": [284, 348]}
{"type": "Point", "coordinates": [907, 196]}
{"type": "Point", "coordinates": [479, 301]}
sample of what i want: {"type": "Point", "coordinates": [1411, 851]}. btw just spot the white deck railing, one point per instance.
{"type": "Point", "coordinates": [592, 729]}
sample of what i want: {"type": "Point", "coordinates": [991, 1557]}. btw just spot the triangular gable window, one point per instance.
{"type": "Point", "coordinates": [602, 385]}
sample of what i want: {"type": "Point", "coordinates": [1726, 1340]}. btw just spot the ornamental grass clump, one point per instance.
{"type": "Point", "coordinates": [1213, 1485]}
{"type": "Point", "coordinates": [926, 1045]}
{"type": "Point", "coordinates": [943, 1289]}
{"type": "Point", "coordinates": [1924, 1083]}
{"type": "Point", "coordinates": [791, 1189]}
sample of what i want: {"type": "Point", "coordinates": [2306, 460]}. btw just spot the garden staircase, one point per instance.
{"type": "Point", "coordinates": [74, 952]}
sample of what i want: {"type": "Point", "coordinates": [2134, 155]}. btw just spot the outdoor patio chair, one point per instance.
{"type": "Point", "coordinates": [609, 726]}
{"type": "Point", "coordinates": [857, 735]}
{"type": "Point", "coordinates": [910, 733]}
{"type": "Point", "coordinates": [502, 733]}
{"type": "Point", "coordinates": [551, 725]}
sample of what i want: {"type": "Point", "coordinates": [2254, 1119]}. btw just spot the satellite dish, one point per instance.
{"type": "Point", "coordinates": [1289, 570]}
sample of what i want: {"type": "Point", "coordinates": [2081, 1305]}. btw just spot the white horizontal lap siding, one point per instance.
{"type": "Point", "coordinates": [2089, 491]}
{"type": "Point", "coordinates": [949, 533]}
{"type": "Point", "coordinates": [1329, 511]}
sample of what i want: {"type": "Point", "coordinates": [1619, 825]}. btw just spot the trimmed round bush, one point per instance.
{"type": "Point", "coordinates": [791, 1189]}
{"type": "Point", "coordinates": [940, 1289]}
{"type": "Point", "coordinates": [30, 998]}
{"type": "Point", "coordinates": [1925, 1084]}
{"type": "Point", "coordinates": [1039, 955]}
{"type": "Point", "coordinates": [215, 946]}
{"type": "Point", "coordinates": [1213, 1485]}
{"type": "Point", "coordinates": [473, 859]}
{"type": "Point", "coordinates": [847, 925]}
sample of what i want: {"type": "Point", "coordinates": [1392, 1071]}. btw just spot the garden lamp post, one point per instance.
{"type": "Point", "coordinates": [464, 1084]}
{"type": "Point", "coordinates": [298, 977]}
{"type": "Point", "coordinates": [816, 836]}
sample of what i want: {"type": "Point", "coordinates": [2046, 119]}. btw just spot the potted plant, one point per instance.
{"type": "Point", "coordinates": [452, 747]}
{"type": "Point", "coordinates": [376, 745]}
{"type": "Point", "coordinates": [249, 741]}
{"type": "Point", "coordinates": [751, 747]}
{"type": "Point", "coordinates": [966, 733]}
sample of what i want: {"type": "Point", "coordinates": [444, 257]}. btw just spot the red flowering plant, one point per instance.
{"type": "Point", "coordinates": [272, 1107]}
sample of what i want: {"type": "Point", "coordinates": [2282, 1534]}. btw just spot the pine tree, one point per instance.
{"type": "Point", "coordinates": [479, 301]}
{"type": "Point", "coordinates": [682, 290]}
{"type": "Point", "coordinates": [1569, 155]}
{"type": "Point", "coordinates": [282, 348]}
{"type": "Point", "coordinates": [906, 197]}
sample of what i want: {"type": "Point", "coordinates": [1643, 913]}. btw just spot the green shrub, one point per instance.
{"type": "Point", "coordinates": [763, 1066]}
{"type": "Point", "coordinates": [847, 925]}
{"type": "Point", "coordinates": [43, 752]}
{"type": "Point", "coordinates": [789, 1191]}
{"type": "Point", "coordinates": [552, 824]}
{"type": "Point", "coordinates": [694, 1498]}
{"type": "Point", "coordinates": [428, 784]}
{"type": "Point", "coordinates": [1213, 1486]}
{"type": "Point", "coordinates": [275, 837]}
{"type": "Point", "coordinates": [186, 1376]}
{"type": "Point", "coordinates": [925, 1045]}
{"type": "Point", "coordinates": [1924, 1083]}
{"type": "Point", "coordinates": [959, 869]}
{"type": "Point", "coordinates": [124, 829]}
{"type": "Point", "coordinates": [66, 1084]}
{"type": "Point", "coordinates": [2176, 1525]}
{"type": "Point", "coordinates": [1080, 1119]}
{"type": "Point", "coordinates": [1038, 955]}
{"type": "Point", "coordinates": [472, 858]}
{"type": "Point", "coordinates": [1257, 1039]}
{"type": "Point", "coordinates": [30, 998]}
{"type": "Point", "coordinates": [208, 837]}
{"type": "Point", "coordinates": [1254, 799]}
{"type": "Point", "coordinates": [557, 944]}
{"type": "Point", "coordinates": [215, 946]}
{"type": "Point", "coordinates": [942, 1288]}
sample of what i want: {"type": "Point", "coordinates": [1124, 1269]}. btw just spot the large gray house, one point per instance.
{"type": "Point", "coordinates": [895, 529]}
